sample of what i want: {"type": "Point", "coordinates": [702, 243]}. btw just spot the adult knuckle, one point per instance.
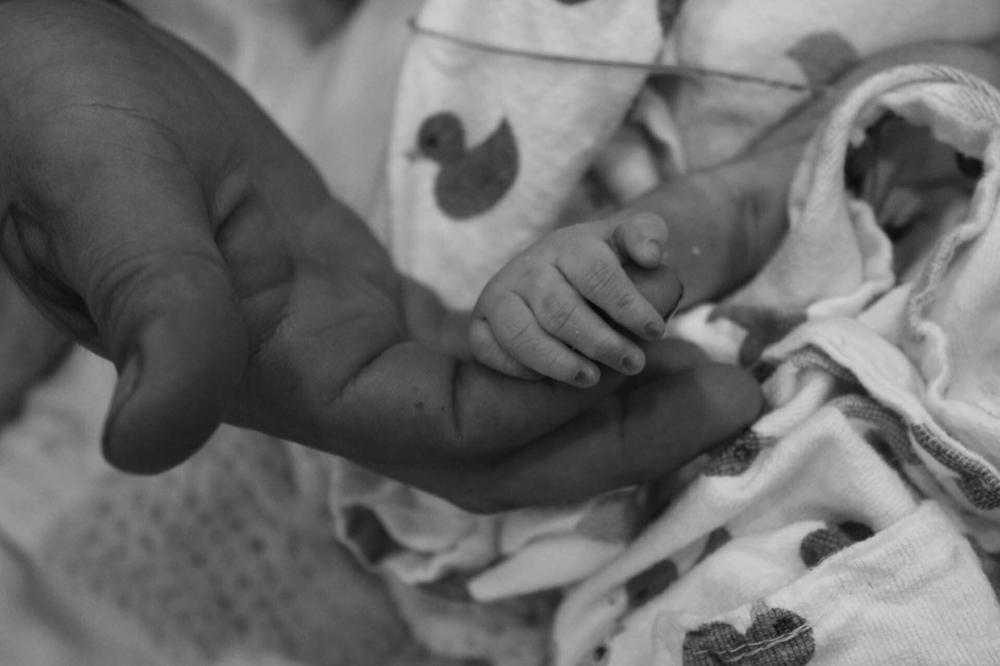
{"type": "Point", "coordinates": [178, 278]}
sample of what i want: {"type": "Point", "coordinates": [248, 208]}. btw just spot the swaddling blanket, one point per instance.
{"type": "Point", "coordinates": [878, 437]}
{"type": "Point", "coordinates": [847, 525]}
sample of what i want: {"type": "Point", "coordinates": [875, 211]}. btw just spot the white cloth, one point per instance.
{"type": "Point", "coordinates": [560, 120]}
{"type": "Point", "coordinates": [882, 398]}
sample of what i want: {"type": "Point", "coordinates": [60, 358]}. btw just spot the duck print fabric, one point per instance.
{"type": "Point", "coordinates": [487, 148]}
{"type": "Point", "coordinates": [470, 180]}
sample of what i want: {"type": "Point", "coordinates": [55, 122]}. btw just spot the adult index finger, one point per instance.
{"type": "Point", "coordinates": [629, 438]}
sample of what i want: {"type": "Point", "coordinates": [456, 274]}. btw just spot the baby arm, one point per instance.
{"type": "Point", "coordinates": [579, 296]}
{"type": "Point", "coordinates": [574, 298]}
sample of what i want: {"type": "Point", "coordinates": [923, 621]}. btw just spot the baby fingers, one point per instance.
{"type": "Point", "coordinates": [642, 237]}
{"type": "Point", "coordinates": [522, 337]}
{"type": "Point", "coordinates": [561, 312]}
{"type": "Point", "coordinates": [599, 277]}
{"type": "Point", "coordinates": [488, 351]}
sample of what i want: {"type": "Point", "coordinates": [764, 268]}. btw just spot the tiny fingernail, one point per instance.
{"type": "Point", "coordinates": [584, 377]}
{"type": "Point", "coordinates": [654, 330]}
{"type": "Point", "coordinates": [631, 364]}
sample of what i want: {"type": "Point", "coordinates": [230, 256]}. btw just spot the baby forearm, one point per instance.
{"type": "Point", "coordinates": [751, 190]}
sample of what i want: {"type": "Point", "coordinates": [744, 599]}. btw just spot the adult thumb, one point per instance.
{"type": "Point", "coordinates": [148, 288]}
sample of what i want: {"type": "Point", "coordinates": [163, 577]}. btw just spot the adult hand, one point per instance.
{"type": "Point", "coordinates": [156, 214]}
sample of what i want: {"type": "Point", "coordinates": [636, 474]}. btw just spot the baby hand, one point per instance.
{"type": "Point", "coordinates": [573, 297]}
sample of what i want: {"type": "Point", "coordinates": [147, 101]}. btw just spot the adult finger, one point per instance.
{"type": "Point", "coordinates": [429, 406]}
{"type": "Point", "coordinates": [128, 237]}
{"type": "Point", "coordinates": [628, 438]}
{"type": "Point", "coordinates": [634, 437]}
{"type": "Point", "coordinates": [672, 355]}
